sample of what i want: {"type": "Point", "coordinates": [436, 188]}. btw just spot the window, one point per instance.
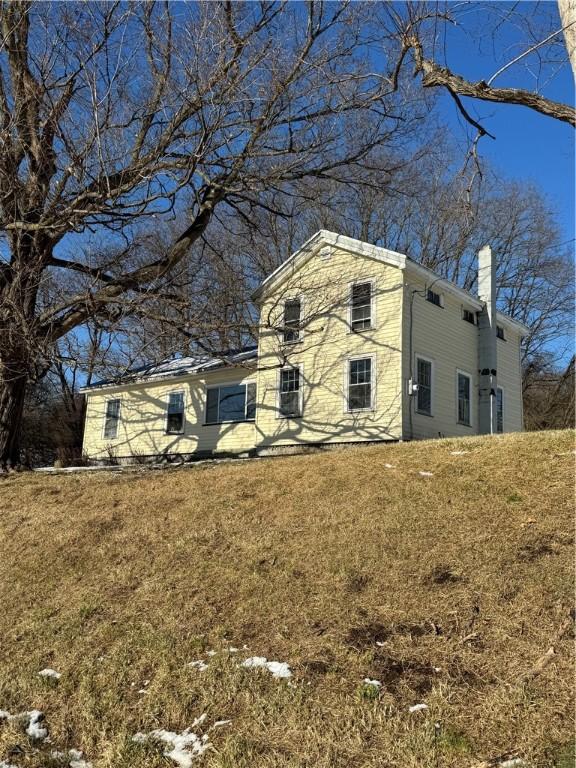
{"type": "Point", "coordinates": [289, 395]}
{"type": "Point", "coordinates": [291, 331]}
{"type": "Point", "coordinates": [175, 414]}
{"type": "Point", "coordinates": [469, 316]}
{"type": "Point", "coordinates": [499, 409]}
{"type": "Point", "coordinates": [463, 398]}
{"type": "Point", "coordinates": [361, 306]}
{"type": "Point", "coordinates": [360, 384]}
{"type": "Point", "coordinates": [111, 419]}
{"type": "Point", "coordinates": [424, 381]}
{"type": "Point", "coordinates": [234, 402]}
{"type": "Point", "coordinates": [500, 332]}
{"type": "Point", "coordinates": [433, 297]}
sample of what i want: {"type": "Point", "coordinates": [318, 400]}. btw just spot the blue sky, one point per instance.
{"type": "Point", "coordinates": [528, 146]}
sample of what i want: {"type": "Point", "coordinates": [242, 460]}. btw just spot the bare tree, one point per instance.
{"type": "Point", "coordinates": [547, 34]}
{"type": "Point", "coordinates": [110, 113]}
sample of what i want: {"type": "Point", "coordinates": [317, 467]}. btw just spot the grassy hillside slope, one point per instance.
{"type": "Point", "coordinates": [446, 588]}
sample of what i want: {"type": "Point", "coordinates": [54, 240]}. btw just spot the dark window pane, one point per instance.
{"type": "Point", "coordinates": [424, 380]}
{"type": "Point", "coordinates": [232, 403]}
{"type": "Point", "coordinates": [500, 332]}
{"type": "Point", "coordinates": [175, 418]}
{"type": "Point", "coordinates": [463, 399]}
{"type": "Point", "coordinates": [433, 298]}
{"type": "Point", "coordinates": [469, 316]}
{"type": "Point", "coordinates": [499, 410]}
{"type": "Point", "coordinates": [251, 401]}
{"type": "Point", "coordinates": [212, 406]}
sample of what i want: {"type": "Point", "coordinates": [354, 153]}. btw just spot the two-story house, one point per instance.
{"type": "Point", "coordinates": [356, 344]}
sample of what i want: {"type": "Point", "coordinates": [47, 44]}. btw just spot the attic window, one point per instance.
{"type": "Point", "coordinates": [433, 297]}
{"type": "Point", "coordinates": [500, 332]}
{"type": "Point", "coordinates": [325, 253]}
{"type": "Point", "coordinates": [469, 316]}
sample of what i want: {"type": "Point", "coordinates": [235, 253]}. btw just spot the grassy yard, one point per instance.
{"type": "Point", "coordinates": [448, 589]}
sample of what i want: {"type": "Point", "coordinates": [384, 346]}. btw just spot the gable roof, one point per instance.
{"type": "Point", "coordinates": [399, 260]}
{"type": "Point", "coordinates": [177, 367]}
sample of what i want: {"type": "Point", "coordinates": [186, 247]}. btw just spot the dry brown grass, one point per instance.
{"type": "Point", "coordinates": [341, 567]}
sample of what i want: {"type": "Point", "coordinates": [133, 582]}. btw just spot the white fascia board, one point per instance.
{"type": "Point", "coordinates": [325, 237]}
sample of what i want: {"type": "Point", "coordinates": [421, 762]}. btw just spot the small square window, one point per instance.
{"type": "Point", "coordinates": [500, 333]}
{"type": "Point", "coordinates": [433, 297]}
{"type": "Point", "coordinates": [469, 316]}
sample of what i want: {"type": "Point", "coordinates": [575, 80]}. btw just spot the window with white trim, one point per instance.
{"type": "Point", "coordinates": [424, 381]}
{"type": "Point", "coordinates": [111, 419]}
{"type": "Point", "coordinates": [289, 396]}
{"type": "Point", "coordinates": [433, 297]}
{"type": "Point", "coordinates": [231, 402]}
{"type": "Point", "coordinates": [499, 409]}
{"type": "Point", "coordinates": [361, 306]}
{"type": "Point", "coordinates": [360, 384]}
{"type": "Point", "coordinates": [464, 385]}
{"type": "Point", "coordinates": [175, 413]}
{"type": "Point", "coordinates": [292, 309]}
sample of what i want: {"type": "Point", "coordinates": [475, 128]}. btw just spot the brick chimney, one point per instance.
{"type": "Point", "coordinates": [487, 342]}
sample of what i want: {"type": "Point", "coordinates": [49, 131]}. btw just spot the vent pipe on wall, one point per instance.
{"type": "Point", "coordinates": [487, 361]}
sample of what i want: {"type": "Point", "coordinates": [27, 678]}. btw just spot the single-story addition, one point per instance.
{"type": "Point", "coordinates": [356, 344]}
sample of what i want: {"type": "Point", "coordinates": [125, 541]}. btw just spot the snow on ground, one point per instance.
{"type": "Point", "coordinates": [74, 757]}
{"type": "Point", "coordinates": [4, 764]}
{"type": "Point", "coordinates": [417, 707]}
{"type": "Point", "coordinates": [32, 719]}
{"type": "Point", "coordinates": [277, 668]}
{"type": "Point", "coordinates": [375, 683]}
{"type": "Point", "coordinates": [183, 748]}
{"type": "Point", "coordinates": [200, 665]}
{"type": "Point", "coordinates": [458, 453]}
{"type": "Point", "coordinates": [50, 673]}
{"type": "Point", "coordinates": [426, 474]}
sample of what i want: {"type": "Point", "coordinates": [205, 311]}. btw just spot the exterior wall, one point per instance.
{"type": "Point", "coordinates": [509, 377]}
{"type": "Point", "coordinates": [441, 335]}
{"type": "Point", "coordinates": [323, 286]}
{"type": "Point", "coordinates": [142, 426]}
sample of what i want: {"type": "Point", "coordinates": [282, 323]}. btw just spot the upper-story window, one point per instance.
{"type": "Point", "coordinates": [433, 297]}
{"type": "Point", "coordinates": [292, 310]}
{"type": "Point", "coordinates": [361, 306]}
{"type": "Point", "coordinates": [233, 402]}
{"type": "Point", "coordinates": [111, 419]}
{"type": "Point", "coordinates": [500, 332]}
{"type": "Point", "coordinates": [175, 413]}
{"type": "Point", "coordinates": [469, 316]}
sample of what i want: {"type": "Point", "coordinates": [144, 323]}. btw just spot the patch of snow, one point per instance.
{"type": "Point", "coordinates": [514, 762]}
{"type": "Point", "coordinates": [34, 729]}
{"type": "Point", "coordinates": [220, 723]}
{"type": "Point", "coordinates": [417, 707]}
{"type": "Point", "coordinates": [437, 669]}
{"type": "Point", "coordinates": [375, 683]}
{"type": "Point", "coordinates": [380, 643]}
{"type": "Point", "coordinates": [200, 665]}
{"type": "Point", "coordinates": [232, 649]}
{"type": "Point", "coordinates": [458, 453]}
{"type": "Point", "coordinates": [425, 474]}
{"type": "Point", "coordinates": [389, 466]}
{"type": "Point", "coordinates": [143, 692]}
{"type": "Point", "coordinates": [50, 673]}
{"type": "Point", "coordinates": [74, 756]}
{"type": "Point", "coordinates": [4, 764]}
{"type": "Point", "coordinates": [277, 668]}
{"type": "Point", "coordinates": [182, 748]}
{"type": "Point", "coordinates": [211, 653]}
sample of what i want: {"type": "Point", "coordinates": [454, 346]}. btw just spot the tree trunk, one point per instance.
{"type": "Point", "coordinates": [12, 394]}
{"type": "Point", "coordinates": [567, 10]}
